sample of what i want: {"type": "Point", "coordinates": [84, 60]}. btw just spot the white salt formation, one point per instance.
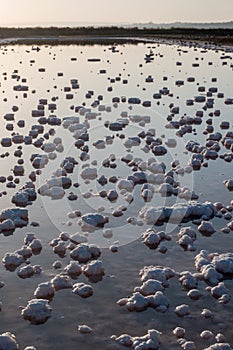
{"type": "Point", "coordinates": [61, 282]}
{"type": "Point", "coordinates": [149, 341]}
{"type": "Point", "coordinates": [187, 237]}
{"type": "Point", "coordinates": [45, 290]}
{"type": "Point", "coordinates": [37, 311]}
{"type": "Point", "coordinates": [83, 290]}
{"type": "Point", "coordinates": [12, 260]}
{"type": "Point", "coordinates": [84, 329]}
{"type": "Point", "coordinates": [84, 252]}
{"type": "Point", "coordinates": [178, 212]}
{"type": "Point", "coordinates": [73, 269]}
{"type": "Point", "coordinates": [93, 268]}
{"type": "Point", "coordinates": [182, 310]}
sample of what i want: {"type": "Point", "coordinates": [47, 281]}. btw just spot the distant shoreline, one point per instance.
{"type": "Point", "coordinates": [106, 35]}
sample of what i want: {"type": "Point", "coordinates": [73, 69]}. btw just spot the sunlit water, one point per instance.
{"type": "Point", "coordinates": [100, 311]}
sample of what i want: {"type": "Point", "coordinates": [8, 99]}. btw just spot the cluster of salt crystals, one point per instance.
{"type": "Point", "coordinates": [55, 187]}
{"type": "Point", "coordinates": [178, 212]}
{"type": "Point", "coordinates": [151, 293]}
{"type": "Point", "coordinates": [149, 341]}
{"type": "Point", "coordinates": [152, 239]}
{"type": "Point", "coordinates": [187, 237]}
{"type": "Point", "coordinates": [12, 218]}
{"type": "Point", "coordinates": [13, 260]}
{"type": "Point", "coordinates": [84, 252]}
{"type": "Point", "coordinates": [213, 267]}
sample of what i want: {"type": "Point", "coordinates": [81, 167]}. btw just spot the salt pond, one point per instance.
{"type": "Point", "coordinates": [120, 161]}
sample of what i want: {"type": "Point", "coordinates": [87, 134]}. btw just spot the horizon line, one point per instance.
{"type": "Point", "coordinates": [71, 23]}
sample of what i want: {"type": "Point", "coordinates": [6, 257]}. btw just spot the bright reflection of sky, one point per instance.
{"type": "Point", "coordinates": [70, 12]}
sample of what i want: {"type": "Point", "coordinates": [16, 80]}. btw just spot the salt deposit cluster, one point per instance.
{"type": "Point", "coordinates": [116, 196]}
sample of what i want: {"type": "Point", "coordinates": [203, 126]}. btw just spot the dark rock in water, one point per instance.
{"type": "Point", "coordinates": [113, 179]}
{"type": "Point", "coordinates": [116, 126]}
{"type": "Point", "coordinates": [138, 178]}
{"type": "Point", "coordinates": [72, 196]}
{"type": "Point", "coordinates": [102, 180]}
{"type": "Point", "coordinates": [159, 150]}
{"type": "Point", "coordinates": [134, 100]}
{"type": "Point", "coordinates": [229, 184]}
{"type": "Point", "coordinates": [93, 220]}
{"type": "Point", "coordinates": [103, 194]}
{"type": "Point", "coordinates": [112, 195]}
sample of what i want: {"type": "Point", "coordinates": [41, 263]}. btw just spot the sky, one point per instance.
{"type": "Point", "coordinates": [39, 12]}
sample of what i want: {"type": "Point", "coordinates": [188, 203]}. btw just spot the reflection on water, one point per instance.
{"type": "Point", "coordinates": [21, 65]}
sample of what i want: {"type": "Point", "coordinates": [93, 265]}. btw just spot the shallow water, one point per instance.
{"type": "Point", "coordinates": [101, 311]}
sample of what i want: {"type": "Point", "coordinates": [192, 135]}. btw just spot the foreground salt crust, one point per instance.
{"type": "Point", "coordinates": [219, 346]}
{"type": "Point", "coordinates": [155, 279]}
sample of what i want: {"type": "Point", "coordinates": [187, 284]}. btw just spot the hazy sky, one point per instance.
{"type": "Point", "coordinates": [113, 11]}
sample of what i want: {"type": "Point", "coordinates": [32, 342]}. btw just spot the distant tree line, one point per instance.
{"type": "Point", "coordinates": [6, 32]}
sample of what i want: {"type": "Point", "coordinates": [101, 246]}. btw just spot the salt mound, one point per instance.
{"type": "Point", "coordinates": [8, 341]}
{"type": "Point", "coordinates": [89, 174]}
{"type": "Point", "coordinates": [182, 310]}
{"type": "Point", "coordinates": [91, 222]}
{"type": "Point", "coordinates": [26, 271]}
{"type": "Point", "coordinates": [179, 332]}
{"type": "Point", "coordinates": [84, 252]}
{"type": "Point", "coordinates": [219, 346]}
{"type": "Point", "coordinates": [84, 329]}
{"type": "Point", "coordinates": [73, 269]}
{"type": "Point", "coordinates": [12, 218]}
{"type": "Point", "coordinates": [223, 263]}
{"type": "Point", "coordinates": [93, 268]}
{"type": "Point", "coordinates": [214, 266]}
{"type": "Point", "coordinates": [37, 311]}
{"type": "Point", "coordinates": [159, 273]}
{"type": "Point", "coordinates": [12, 260]}
{"type": "Point", "coordinates": [149, 341]}
{"type": "Point", "coordinates": [178, 212]}
{"type": "Point", "coordinates": [61, 282]}
{"type": "Point", "coordinates": [45, 290]}
{"type": "Point", "coordinates": [83, 290]}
